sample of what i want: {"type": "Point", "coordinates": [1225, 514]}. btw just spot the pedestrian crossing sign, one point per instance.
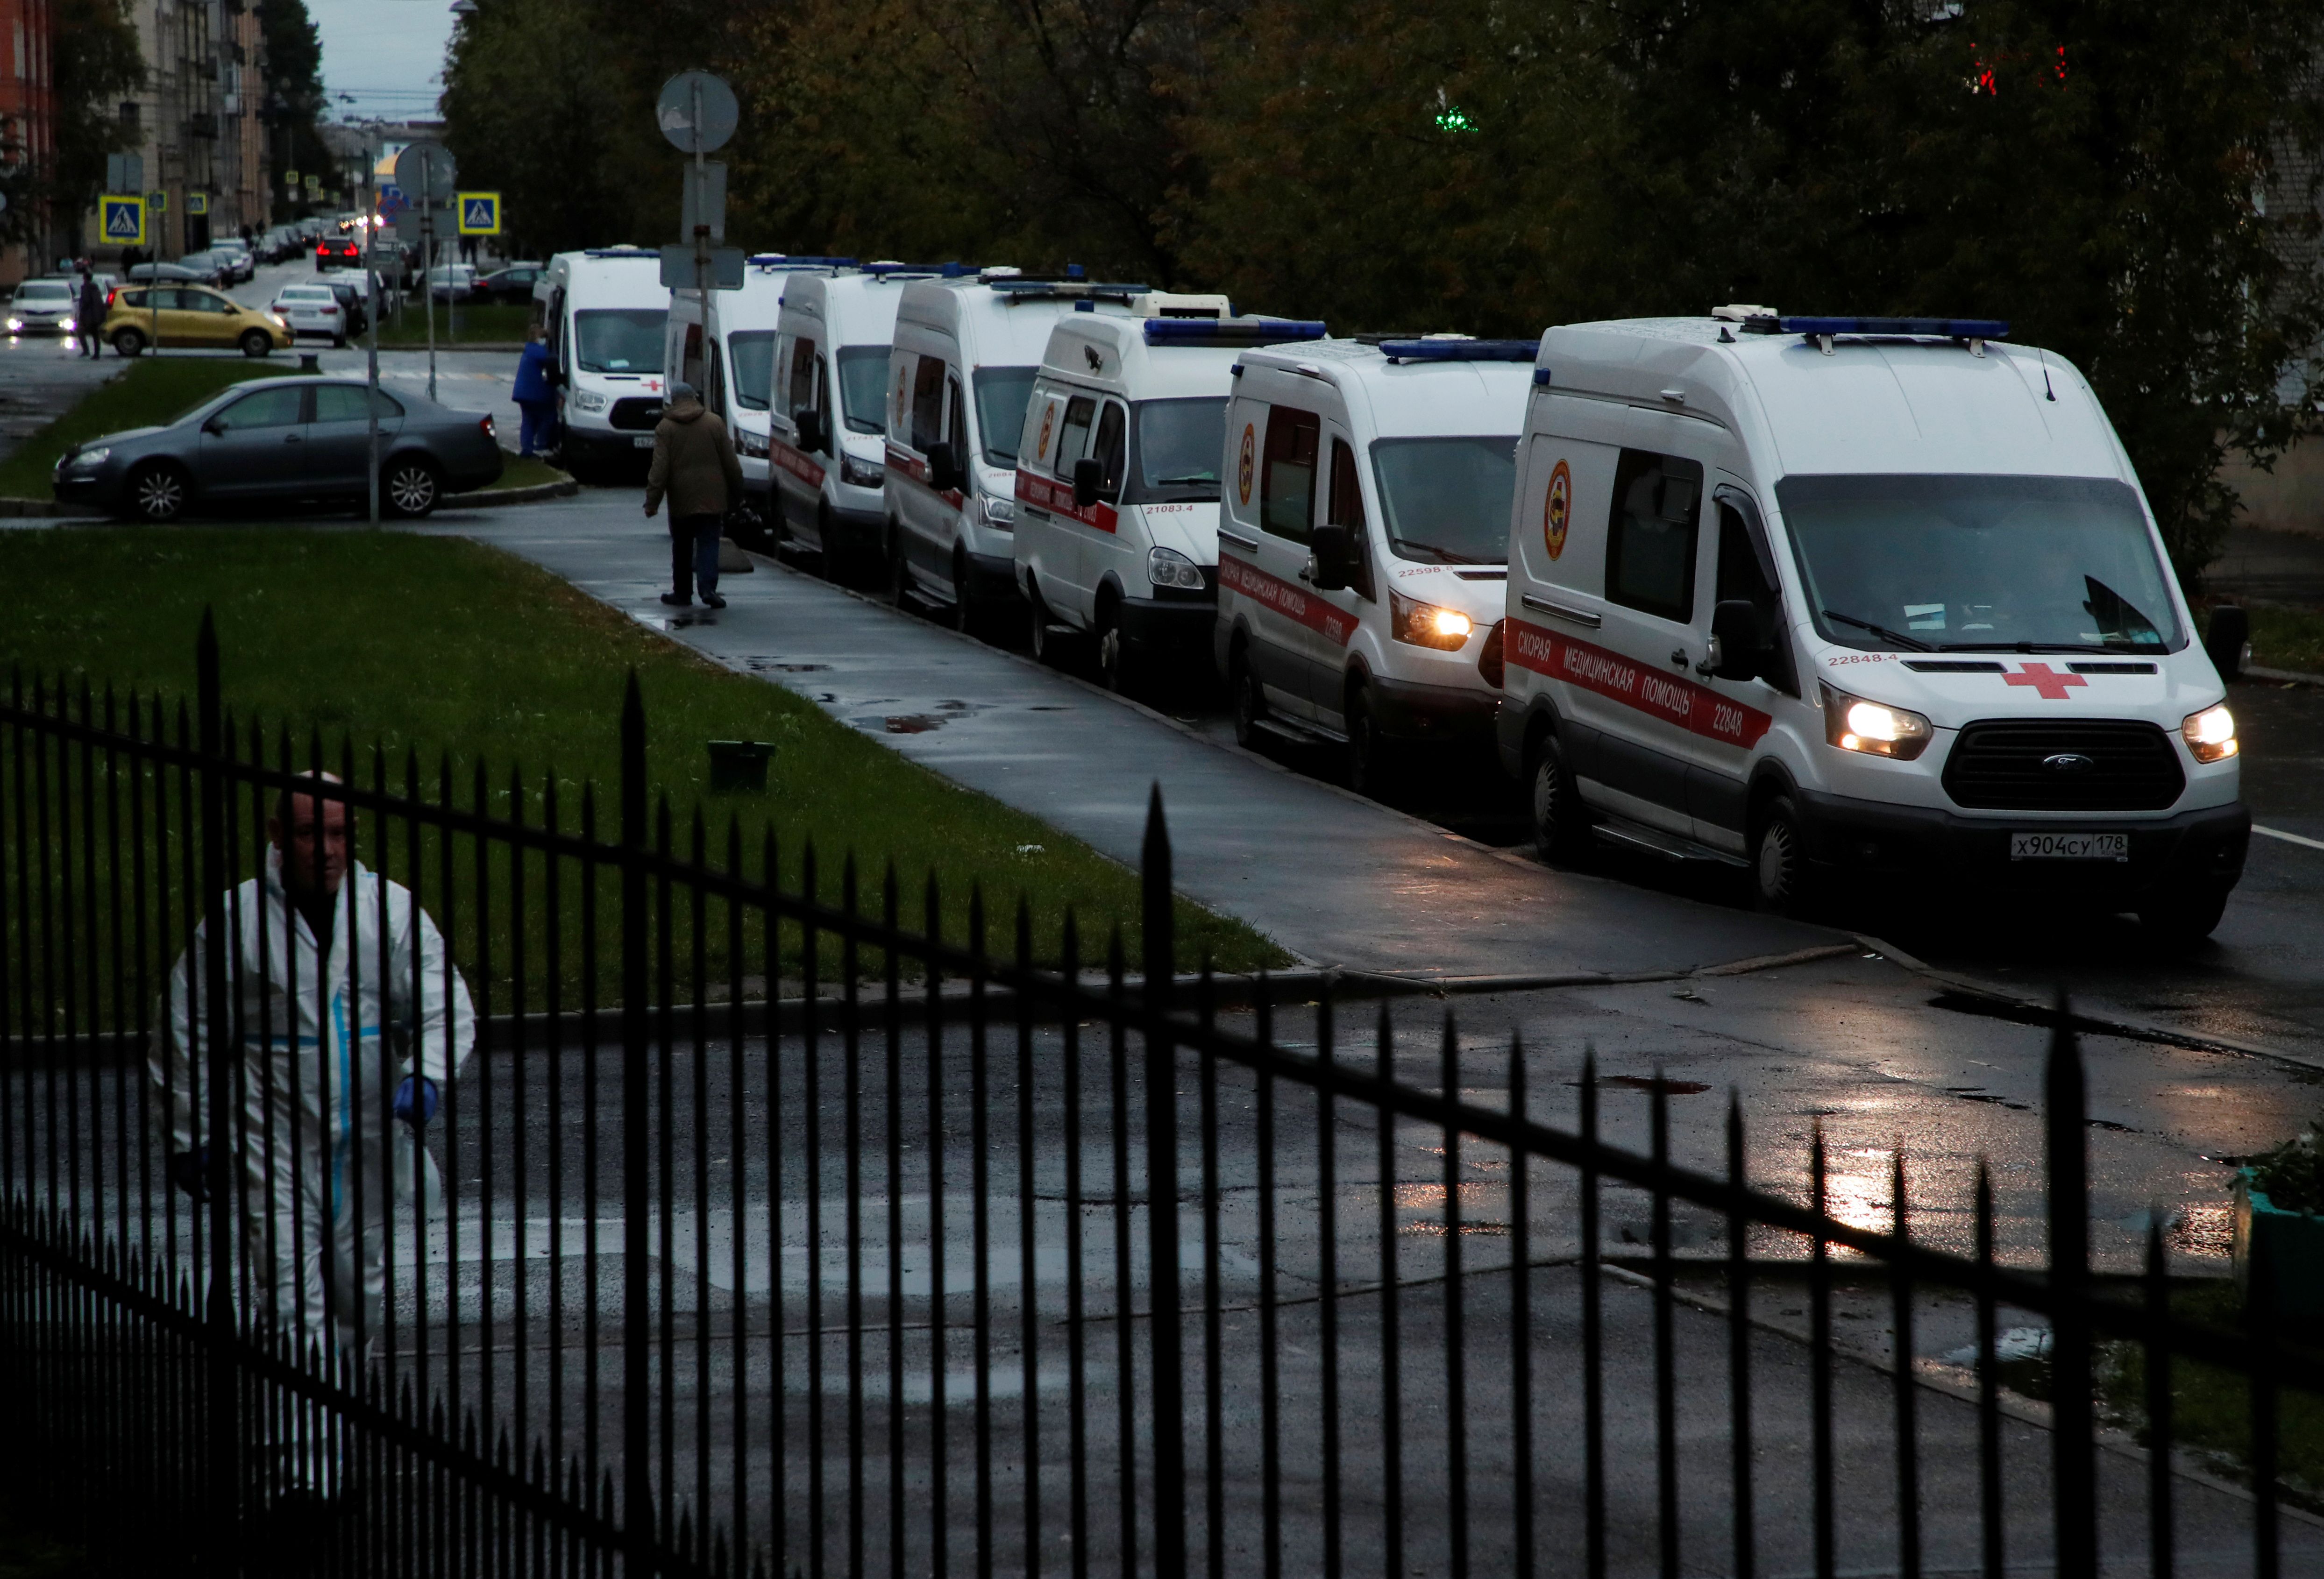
{"type": "Point", "coordinates": [480, 213]}
{"type": "Point", "coordinates": [121, 221]}
{"type": "Point", "coordinates": [198, 202]}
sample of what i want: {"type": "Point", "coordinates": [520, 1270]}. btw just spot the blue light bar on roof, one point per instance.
{"type": "Point", "coordinates": [1252, 331]}
{"type": "Point", "coordinates": [1460, 350]}
{"type": "Point", "coordinates": [1922, 328]}
{"type": "Point", "coordinates": [1019, 286]}
{"type": "Point", "coordinates": [795, 260]}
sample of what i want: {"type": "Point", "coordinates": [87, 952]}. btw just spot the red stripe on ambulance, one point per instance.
{"type": "Point", "coordinates": [1674, 700]}
{"type": "Point", "coordinates": [1057, 498]}
{"type": "Point", "coordinates": [794, 461]}
{"type": "Point", "coordinates": [1236, 575]}
{"type": "Point", "coordinates": [912, 466]}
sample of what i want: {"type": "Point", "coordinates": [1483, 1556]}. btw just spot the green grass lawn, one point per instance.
{"type": "Point", "coordinates": [438, 644]}
{"type": "Point", "coordinates": [2211, 1408]}
{"type": "Point", "coordinates": [495, 324]}
{"type": "Point", "coordinates": [2282, 636]}
{"type": "Point", "coordinates": [151, 389]}
{"type": "Point", "coordinates": [528, 472]}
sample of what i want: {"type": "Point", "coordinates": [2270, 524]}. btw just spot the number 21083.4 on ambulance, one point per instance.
{"type": "Point", "coordinates": [1866, 604]}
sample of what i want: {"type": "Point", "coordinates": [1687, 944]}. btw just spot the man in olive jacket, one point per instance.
{"type": "Point", "coordinates": [693, 465]}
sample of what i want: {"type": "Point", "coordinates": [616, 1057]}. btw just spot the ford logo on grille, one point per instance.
{"type": "Point", "coordinates": [2069, 762]}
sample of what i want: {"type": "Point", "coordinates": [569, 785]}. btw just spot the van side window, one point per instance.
{"type": "Point", "coordinates": [690, 360]}
{"type": "Point", "coordinates": [1111, 449]}
{"type": "Point", "coordinates": [1744, 567]}
{"type": "Point", "coordinates": [1346, 508]}
{"type": "Point", "coordinates": [803, 391]}
{"type": "Point", "coordinates": [1650, 541]}
{"type": "Point", "coordinates": [927, 403]}
{"type": "Point", "coordinates": [1073, 439]}
{"type": "Point", "coordinates": [1287, 474]}
{"type": "Point", "coordinates": [956, 422]}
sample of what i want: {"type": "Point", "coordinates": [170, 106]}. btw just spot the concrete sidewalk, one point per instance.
{"type": "Point", "coordinates": [1336, 879]}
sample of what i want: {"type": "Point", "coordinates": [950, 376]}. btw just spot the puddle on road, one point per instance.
{"type": "Point", "coordinates": [1647, 1083]}
{"type": "Point", "coordinates": [767, 665]}
{"type": "Point", "coordinates": [912, 723]}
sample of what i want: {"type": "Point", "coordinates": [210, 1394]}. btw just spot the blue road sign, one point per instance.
{"type": "Point", "coordinates": [480, 213]}
{"type": "Point", "coordinates": [121, 221]}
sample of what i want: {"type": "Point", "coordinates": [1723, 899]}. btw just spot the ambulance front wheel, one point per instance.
{"type": "Point", "coordinates": [1781, 880]}
{"type": "Point", "coordinates": [1561, 828]}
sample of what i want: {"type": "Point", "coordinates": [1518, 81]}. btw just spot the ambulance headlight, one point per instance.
{"type": "Point", "coordinates": [1167, 567]}
{"type": "Point", "coordinates": [998, 513]}
{"type": "Point", "coordinates": [747, 443]}
{"type": "Point", "coordinates": [1874, 728]}
{"type": "Point", "coordinates": [860, 474]}
{"type": "Point", "coordinates": [1427, 624]}
{"type": "Point", "coordinates": [2210, 734]}
{"type": "Point", "coordinates": [591, 399]}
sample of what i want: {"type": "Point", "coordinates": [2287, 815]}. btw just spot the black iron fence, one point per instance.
{"type": "Point", "coordinates": [932, 1261]}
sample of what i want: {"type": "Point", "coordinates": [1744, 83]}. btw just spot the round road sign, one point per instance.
{"type": "Point", "coordinates": [696, 112]}
{"type": "Point", "coordinates": [426, 172]}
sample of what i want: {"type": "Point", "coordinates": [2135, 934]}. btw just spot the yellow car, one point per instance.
{"type": "Point", "coordinates": [189, 316]}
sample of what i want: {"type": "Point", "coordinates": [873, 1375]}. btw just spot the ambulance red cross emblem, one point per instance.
{"type": "Point", "coordinates": [2052, 686]}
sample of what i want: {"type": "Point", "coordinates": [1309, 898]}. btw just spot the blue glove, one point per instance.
{"type": "Point", "coordinates": [190, 1172]}
{"type": "Point", "coordinates": [415, 1100]}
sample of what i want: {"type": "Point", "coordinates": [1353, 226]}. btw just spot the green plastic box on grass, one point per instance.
{"type": "Point", "coordinates": [2291, 1244]}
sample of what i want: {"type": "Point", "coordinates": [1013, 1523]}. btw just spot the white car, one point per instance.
{"type": "Point", "coordinates": [43, 306]}
{"type": "Point", "coordinates": [311, 309]}
{"type": "Point", "coordinates": [1871, 604]}
{"type": "Point", "coordinates": [452, 282]}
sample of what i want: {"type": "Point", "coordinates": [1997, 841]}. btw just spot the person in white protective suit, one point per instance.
{"type": "Point", "coordinates": [350, 1023]}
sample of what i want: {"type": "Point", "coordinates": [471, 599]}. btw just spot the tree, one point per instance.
{"type": "Point", "coordinates": [97, 60]}
{"type": "Point", "coordinates": [295, 95]}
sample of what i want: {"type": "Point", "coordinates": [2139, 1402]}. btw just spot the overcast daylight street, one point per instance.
{"type": "Point", "coordinates": [1264, 789]}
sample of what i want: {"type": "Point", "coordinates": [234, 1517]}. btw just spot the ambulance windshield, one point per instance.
{"type": "Point", "coordinates": [753, 357]}
{"type": "Point", "coordinates": [1963, 564]}
{"type": "Point", "coordinates": [1446, 500]}
{"type": "Point", "coordinates": [620, 339]}
{"type": "Point", "coordinates": [1179, 444]}
{"type": "Point", "coordinates": [863, 387]}
{"type": "Point", "coordinates": [1001, 396]}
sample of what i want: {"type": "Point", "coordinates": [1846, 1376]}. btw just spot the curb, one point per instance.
{"type": "Point", "coordinates": [2293, 676]}
{"type": "Point", "coordinates": [485, 497]}
{"type": "Point", "coordinates": [46, 508]}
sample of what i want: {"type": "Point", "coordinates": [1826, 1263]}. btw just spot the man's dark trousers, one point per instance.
{"type": "Point", "coordinates": [693, 553]}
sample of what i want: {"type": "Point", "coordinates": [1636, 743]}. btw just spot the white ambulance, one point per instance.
{"type": "Point", "coordinates": [1868, 601]}
{"type": "Point", "coordinates": [730, 360]}
{"type": "Point", "coordinates": [967, 350]}
{"type": "Point", "coordinates": [606, 311]}
{"type": "Point", "coordinates": [1361, 551]}
{"type": "Point", "coordinates": [830, 411]}
{"type": "Point", "coordinates": [1119, 478]}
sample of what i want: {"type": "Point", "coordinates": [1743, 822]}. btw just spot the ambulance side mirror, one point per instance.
{"type": "Point", "coordinates": [1330, 545]}
{"type": "Point", "coordinates": [1089, 481]}
{"type": "Point", "coordinates": [1737, 651]}
{"type": "Point", "coordinates": [944, 468]}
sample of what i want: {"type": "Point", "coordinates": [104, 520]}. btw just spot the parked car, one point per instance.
{"type": "Point", "coordinates": [163, 272]}
{"type": "Point", "coordinates": [188, 315]}
{"type": "Point", "coordinates": [285, 440]}
{"type": "Point", "coordinates": [43, 307]}
{"type": "Point", "coordinates": [350, 293]}
{"type": "Point", "coordinates": [338, 251]}
{"type": "Point", "coordinates": [312, 309]}
{"type": "Point", "coordinates": [211, 268]}
{"type": "Point", "coordinates": [509, 286]}
{"type": "Point", "coordinates": [240, 263]}
{"type": "Point", "coordinates": [451, 282]}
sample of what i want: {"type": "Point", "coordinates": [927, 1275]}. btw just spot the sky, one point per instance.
{"type": "Point", "coordinates": [388, 55]}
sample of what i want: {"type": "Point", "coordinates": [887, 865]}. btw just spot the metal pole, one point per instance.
{"type": "Point", "coordinates": [371, 285]}
{"type": "Point", "coordinates": [427, 265]}
{"type": "Point", "coordinates": [701, 244]}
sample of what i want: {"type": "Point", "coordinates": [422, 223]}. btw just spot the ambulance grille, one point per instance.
{"type": "Point", "coordinates": [2008, 765]}
{"type": "Point", "coordinates": [637, 414]}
